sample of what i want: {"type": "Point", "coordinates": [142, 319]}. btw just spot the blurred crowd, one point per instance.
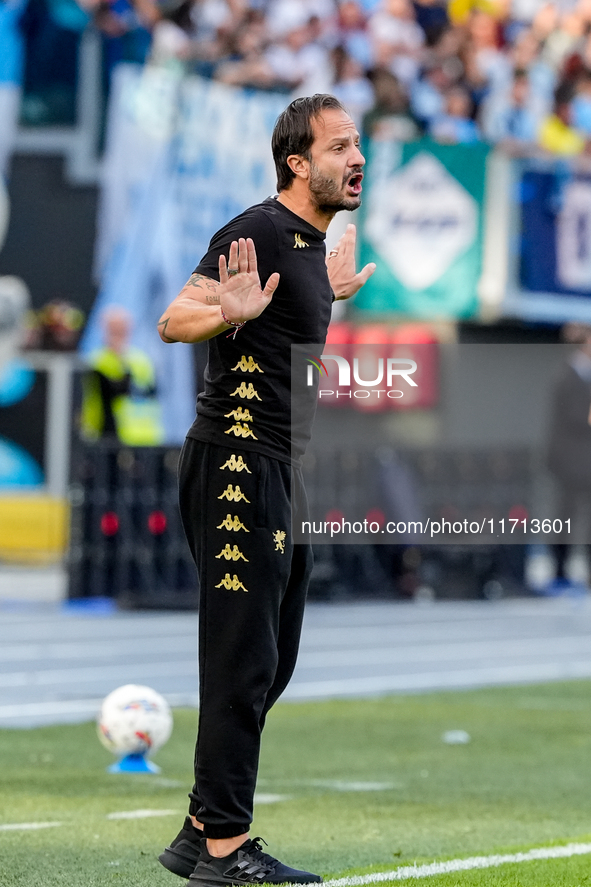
{"type": "Point", "coordinates": [510, 71]}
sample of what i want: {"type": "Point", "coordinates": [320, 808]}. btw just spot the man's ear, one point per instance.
{"type": "Point", "coordinates": [299, 166]}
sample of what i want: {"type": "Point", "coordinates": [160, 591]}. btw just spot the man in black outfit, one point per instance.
{"type": "Point", "coordinates": [238, 472]}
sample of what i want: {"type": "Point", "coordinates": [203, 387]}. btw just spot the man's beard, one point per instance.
{"type": "Point", "coordinates": [328, 195]}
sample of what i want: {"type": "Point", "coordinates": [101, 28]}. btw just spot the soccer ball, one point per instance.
{"type": "Point", "coordinates": [134, 720]}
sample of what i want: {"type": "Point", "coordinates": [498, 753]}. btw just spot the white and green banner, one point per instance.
{"type": "Point", "coordinates": [422, 224]}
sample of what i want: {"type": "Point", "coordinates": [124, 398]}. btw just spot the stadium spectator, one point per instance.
{"type": "Point", "coordinates": [297, 58]}
{"type": "Point", "coordinates": [246, 65]}
{"type": "Point", "coordinates": [216, 24]}
{"type": "Point", "coordinates": [389, 117]}
{"type": "Point", "coordinates": [581, 104]}
{"type": "Point", "coordinates": [495, 64]}
{"type": "Point", "coordinates": [397, 39]}
{"type": "Point", "coordinates": [173, 35]}
{"type": "Point", "coordinates": [456, 126]}
{"type": "Point", "coordinates": [352, 32]}
{"type": "Point", "coordinates": [512, 120]}
{"type": "Point", "coordinates": [525, 56]}
{"type": "Point", "coordinates": [557, 134]}
{"type": "Point", "coordinates": [432, 17]}
{"type": "Point", "coordinates": [563, 40]}
{"type": "Point", "coordinates": [285, 15]}
{"type": "Point", "coordinates": [125, 27]}
{"type": "Point", "coordinates": [119, 393]}
{"type": "Point", "coordinates": [426, 93]}
{"type": "Point", "coordinates": [484, 62]}
{"type": "Point", "coordinates": [351, 87]}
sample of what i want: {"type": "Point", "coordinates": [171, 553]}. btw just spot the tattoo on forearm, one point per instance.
{"type": "Point", "coordinates": [212, 299]}
{"type": "Point", "coordinates": [162, 326]}
{"type": "Point", "coordinates": [199, 281]}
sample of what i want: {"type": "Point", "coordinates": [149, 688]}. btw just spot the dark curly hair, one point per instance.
{"type": "Point", "coordinates": [293, 132]}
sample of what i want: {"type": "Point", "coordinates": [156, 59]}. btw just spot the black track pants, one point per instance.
{"type": "Point", "coordinates": [236, 512]}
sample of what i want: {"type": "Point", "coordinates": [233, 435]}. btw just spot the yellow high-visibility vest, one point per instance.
{"type": "Point", "coordinates": [137, 415]}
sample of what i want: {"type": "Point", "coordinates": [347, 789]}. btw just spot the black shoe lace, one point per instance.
{"type": "Point", "coordinates": [256, 851]}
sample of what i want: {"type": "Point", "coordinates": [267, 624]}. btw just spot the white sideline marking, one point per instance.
{"type": "Point", "coordinates": [267, 798]}
{"type": "Point", "coordinates": [460, 865]}
{"type": "Point", "coordinates": [142, 814]}
{"type": "Point", "coordinates": [340, 785]}
{"type": "Point", "coordinates": [27, 826]}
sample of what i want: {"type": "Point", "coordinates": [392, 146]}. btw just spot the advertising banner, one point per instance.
{"type": "Point", "coordinates": [422, 225]}
{"type": "Point", "coordinates": [502, 457]}
{"type": "Point", "coordinates": [554, 223]}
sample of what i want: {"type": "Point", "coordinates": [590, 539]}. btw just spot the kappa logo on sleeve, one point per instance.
{"type": "Point", "coordinates": [299, 243]}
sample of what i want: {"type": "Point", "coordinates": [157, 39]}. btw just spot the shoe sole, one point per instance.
{"type": "Point", "coordinates": [177, 864]}
{"type": "Point", "coordinates": [230, 882]}
{"type": "Point", "coordinates": [197, 882]}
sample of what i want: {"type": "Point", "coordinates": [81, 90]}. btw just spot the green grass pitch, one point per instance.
{"type": "Point", "coordinates": [365, 786]}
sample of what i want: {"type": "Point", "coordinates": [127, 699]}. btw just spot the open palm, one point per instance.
{"type": "Point", "coordinates": [241, 296]}
{"type": "Point", "coordinates": [344, 279]}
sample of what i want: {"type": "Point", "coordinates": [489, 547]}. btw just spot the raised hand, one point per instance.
{"type": "Point", "coordinates": [241, 296]}
{"type": "Point", "coordinates": [340, 262]}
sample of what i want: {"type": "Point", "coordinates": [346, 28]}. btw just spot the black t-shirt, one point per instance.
{"type": "Point", "coordinates": [247, 396]}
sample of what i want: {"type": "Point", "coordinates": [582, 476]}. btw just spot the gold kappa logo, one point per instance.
{"type": "Point", "coordinates": [233, 584]}
{"type": "Point", "coordinates": [240, 415]}
{"type": "Point", "coordinates": [246, 391]}
{"type": "Point", "coordinates": [247, 364]}
{"type": "Point", "coordinates": [233, 494]}
{"type": "Point", "coordinates": [299, 243]}
{"type": "Point", "coordinates": [231, 554]}
{"type": "Point", "coordinates": [236, 464]}
{"type": "Point", "coordinates": [232, 523]}
{"type": "Point", "coordinates": [279, 540]}
{"type": "Point", "coordinates": [241, 431]}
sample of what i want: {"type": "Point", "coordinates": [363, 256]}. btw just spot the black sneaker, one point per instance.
{"type": "Point", "coordinates": [247, 865]}
{"type": "Point", "coordinates": [183, 854]}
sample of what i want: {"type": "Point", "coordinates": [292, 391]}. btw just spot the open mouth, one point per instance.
{"type": "Point", "coordinates": [354, 183]}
